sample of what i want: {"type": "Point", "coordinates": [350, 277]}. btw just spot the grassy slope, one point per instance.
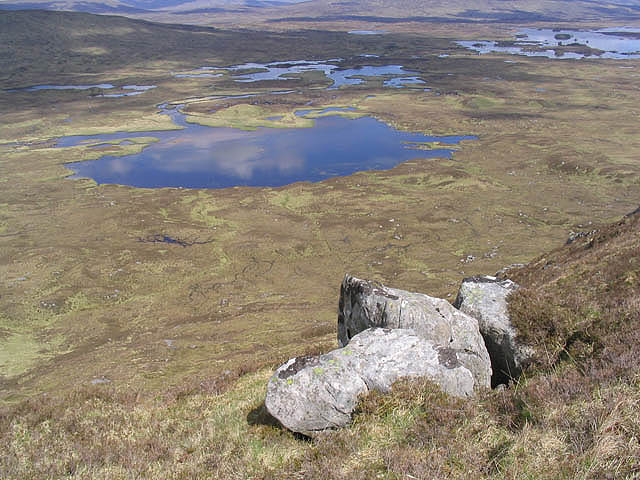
{"type": "Point", "coordinates": [54, 46]}
{"type": "Point", "coordinates": [435, 15]}
{"type": "Point", "coordinates": [575, 418]}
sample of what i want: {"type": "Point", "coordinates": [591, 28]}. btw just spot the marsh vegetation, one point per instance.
{"type": "Point", "coordinates": [129, 333]}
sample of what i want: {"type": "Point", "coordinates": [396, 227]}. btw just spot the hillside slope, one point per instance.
{"type": "Point", "coordinates": [256, 11]}
{"type": "Point", "coordinates": [573, 415]}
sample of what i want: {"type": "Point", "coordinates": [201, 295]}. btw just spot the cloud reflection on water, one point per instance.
{"type": "Point", "coordinates": [205, 157]}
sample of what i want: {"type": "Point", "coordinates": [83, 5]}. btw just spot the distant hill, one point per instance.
{"type": "Point", "coordinates": [125, 7]}
{"type": "Point", "coordinates": [270, 11]}
{"type": "Point", "coordinates": [477, 11]}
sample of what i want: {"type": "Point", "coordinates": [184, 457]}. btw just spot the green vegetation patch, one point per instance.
{"type": "Point", "coordinates": [22, 349]}
{"type": "Point", "coordinates": [482, 103]}
{"type": "Point", "coordinates": [292, 199]}
{"type": "Point", "coordinates": [18, 353]}
{"type": "Point", "coordinates": [249, 117]}
{"type": "Point", "coordinates": [319, 113]}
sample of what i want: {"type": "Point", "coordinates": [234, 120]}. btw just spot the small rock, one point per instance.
{"type": "Point", "coordinates": [504, 270]}
{"type": "Point", "coordinates": [468, 259]}
{"type": "Point", "coordinates": [573, 236]}
{"type": "Point", "coordinates": [99, 381]}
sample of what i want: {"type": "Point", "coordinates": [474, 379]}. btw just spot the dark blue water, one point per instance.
{"type": "Point", "coordinates": [205, 157]}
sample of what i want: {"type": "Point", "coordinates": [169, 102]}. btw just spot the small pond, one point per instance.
{"type": "Point", "coordinates": [198, 75]}
{"type": "Point", "coordinates": [124, 91]}
{"type": "Point", "coordinates": [204, 157]}
{"type": "Point", "coordinates": [367, 32]}
{"type": "Point", "coordinates": [401, 82]}
{"type": "Point", "coordinates": [612, 43]}
{"type": "Point", "coordinates": [291, 70]}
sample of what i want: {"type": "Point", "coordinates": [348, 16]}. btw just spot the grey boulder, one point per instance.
{"type": "Point", "coordinates": [485, 298]}
{"type": "Point", "coordinates": [312, 394]}
{"type": "Point", "coordinates": [364, 304]}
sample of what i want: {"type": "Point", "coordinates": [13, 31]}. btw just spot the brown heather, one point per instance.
{"type": "Point", "coordinates": [574, 414]}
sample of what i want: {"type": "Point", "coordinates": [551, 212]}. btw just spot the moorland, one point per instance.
{"type": "Point", "coordinates": [129, 334]}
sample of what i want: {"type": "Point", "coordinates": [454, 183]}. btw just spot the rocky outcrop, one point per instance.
{"type": "Point", "coordinates": [365, 304]}
{"type": "Point", "coordinates": [485, 298]}
{"type": "Point", "coordinates": [312, 394]}
{"type": "Point", "coordinates": [573, 236]}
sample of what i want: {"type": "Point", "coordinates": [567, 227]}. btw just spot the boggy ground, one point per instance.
{"type": "Point", "coordinates": [89, 293]}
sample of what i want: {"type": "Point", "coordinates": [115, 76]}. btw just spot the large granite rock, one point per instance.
{"type": "Point", "coordinates": [312, 394]}
{"type": "Point", "coordinates": [485, 298]}
{"type": "Point", "coordinates": [365, 304]}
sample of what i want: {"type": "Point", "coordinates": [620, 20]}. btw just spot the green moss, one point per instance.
{"type": "Point", "coordinates": [204, 209]}
{"type": "Point", "coordinates": [78, 301]}
{"type": "Point", "coordinates": [294, 200]}
{"type": "Point", "coordinates": [318, 112]}
{"type": "Point", "coordinates": [483, 103]}
{"type": "Point", "coordinates": [18, 353]}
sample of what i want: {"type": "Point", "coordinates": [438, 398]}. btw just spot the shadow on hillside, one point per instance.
{"type": "Point", "coordinates": [261, 416]}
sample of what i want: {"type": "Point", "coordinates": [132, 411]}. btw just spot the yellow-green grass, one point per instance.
{"type": "Point", "coordinates": [248, 117]}
{"type": "Point", "coordinates": [99, 432]}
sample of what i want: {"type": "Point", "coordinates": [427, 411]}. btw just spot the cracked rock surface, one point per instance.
{"type": "Point", "coordinates": [364, 304]}
{"type": "Point", "coordinates": [312, 394]}
{"type": "Point", "coordinates": [485, 298]}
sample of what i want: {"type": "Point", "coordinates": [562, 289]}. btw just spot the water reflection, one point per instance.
{"type": "Point", "coordinates": [401, 82]}
{"type": "Point", "coordinates": [367, 32]}
{"type": "Point", "coordinates": [125, 90]}
{"type": "Point", "coordinates": [203, 157]}
{"type": "Point", "coordinates": [612, 43]}
{"type": "Point", "coordinates": [291, 70]}
{"type": "Point", "coordinates": [323, 111]}
{"type": "Point", "coordinates": [35, 88]}
{"type": "Point", "coordinates": [197, 75]}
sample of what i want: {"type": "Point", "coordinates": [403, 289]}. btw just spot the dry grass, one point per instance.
{"type": "Point", "coordinates": [582, 302]}
{"type": "Point", "coordinates": [574, 415]}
